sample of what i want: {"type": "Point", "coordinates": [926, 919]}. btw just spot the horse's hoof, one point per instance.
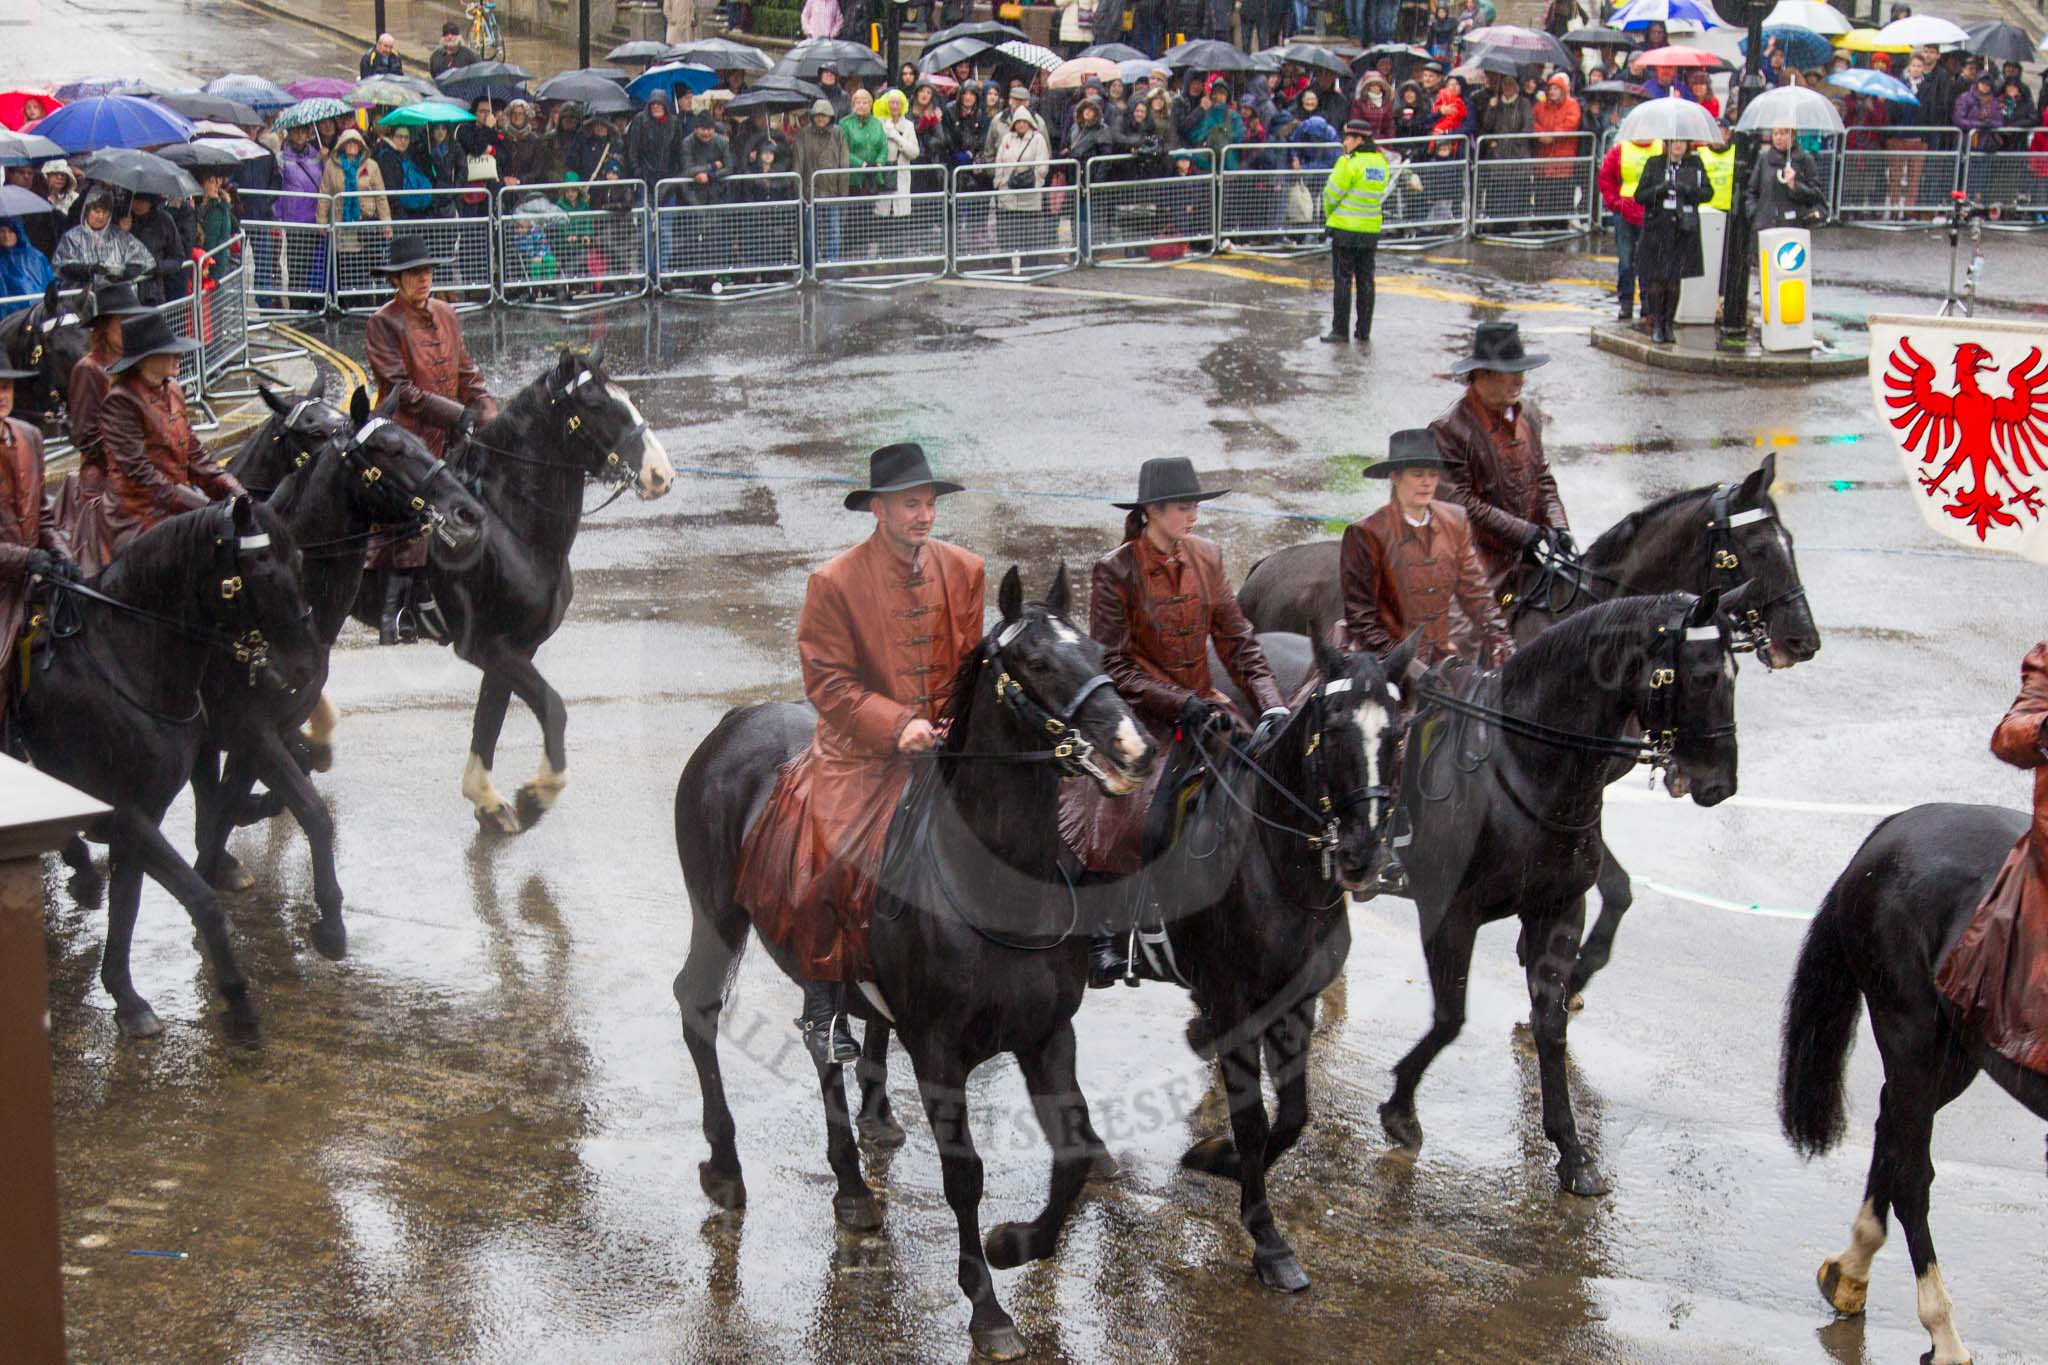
{"type": "Point", "coordinates": [1212, 1156]}
{"type": "Point", "coordinates": [1844, 1293]}
{"type": "Point", "coordinates": [1583, 1178]}
{"type": "Point", "coordinates": [330, 939]}
{"type": "Point", "coordinates": [1280, 1271]}
{"type": "Point", "coordinates": [531, 807]}
{"type": "Point", "coordinates": [498, 819]}
{"type": "Point", "coordinates": [997, 1343]}
{"type": "Point", "coordinates": [319, 756]}
{"type": "Point", "coordinates": [857, 1212]}
{"type": "Point", "coordinates": [1577, 1003]}
{"type": "Point", "coordinates": [879, 1130]}
{"type": "Point", "coordinates": [240, 1024]}
{"type": "Point", "coordinates": [724, 1188]}
{"type": "Point", "coordinates": [1201, 1035]}
{"type": "Point", "coordinates": [140, 1022]}
{"type": "Point", "coordinates": [1103, 1168]}
{"type": "Point", "coordinates": [88, 888]}
{"type": "Point", "coordinates": [1009, 1245]}
{"type": "Point", "coordinates": [1401, 1125]}
{"type": "Point", "coordinates": [231, 875]}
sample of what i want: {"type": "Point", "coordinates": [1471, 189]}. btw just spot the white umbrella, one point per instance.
{"type": "Point", "coordinates": [1923, 30]}
{"type": "Point", "coordinates": [1810, 15]}
{"type": "Point", "coordinates": [1789, 106]}
{"type": "Point", "coordinates": [1671, 116]}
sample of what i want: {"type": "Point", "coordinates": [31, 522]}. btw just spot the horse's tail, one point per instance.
{"type": "Point", "coordinates": [1820, 1027]}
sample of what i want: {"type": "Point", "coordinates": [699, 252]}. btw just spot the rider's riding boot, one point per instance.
{"type": "Point", "coordinates": [395, 588]}
{"type": "Point", "coordinates": [1109, 958]}
{"type": "Point", "coordinates": [823, 1024]}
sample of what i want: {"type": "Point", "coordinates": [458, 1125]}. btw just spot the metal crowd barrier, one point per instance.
{"type": "Point", "coordinates": [1529, 198]}
{"type": "Point", "coordinates": [1269, 197]}
{"type": "Point", "coordinates": [288, 258]}
{"type": "Point", "coordinates": [1160, 219]}
{"type": "Point", "coordinates": [744, 241]}
{"type": "Point", "coordinates": [880, 228]}
{"type": "Point", "coordinates": [220, 300]}
{"type": "Point", "coordinates": [1431, 197]}
{"type": "Point", "coordinates": [452, 229]}
{"type": "Point", "coordinates": [572, 245]}
{"type": "Point", "coordinates": [1904, 183]}
{"type": "Point", "coordinates": [1994, 171]}
{"type": "Point", "coordinates": [1024, 226]}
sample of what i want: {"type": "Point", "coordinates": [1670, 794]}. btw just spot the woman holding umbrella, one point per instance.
{"type": "Point", "coordinates": [1673, 186]}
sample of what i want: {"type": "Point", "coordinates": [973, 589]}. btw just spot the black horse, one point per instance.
{"type": "Point", "coordinates": [1884, 927]}
{"type": "Point", "coordinates": [114, 706]}
{"type": "Point", "coordinates": [527, 466]}
{"type": "Point", "coordinates": [48, 338]}
{"type": "Point", "coordinates": [1255, 899]}
{"type": "Point", "coordinates": [979, 938]}
{"type": "Point", "coordinates": [1717, 536]}
{"type": "Point", "coordinates": [331, 483]}
{"type": "Point", "coordinates": [1503, 782]}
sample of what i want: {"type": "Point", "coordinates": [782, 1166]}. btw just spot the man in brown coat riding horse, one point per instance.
{"type": "Point", "coordinates": [885, 626]}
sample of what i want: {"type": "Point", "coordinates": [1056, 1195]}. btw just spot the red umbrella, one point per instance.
{"type": "Point", "coordinates": [11, 102]}
{"type": "Point", "coordinates": [1677, 56]}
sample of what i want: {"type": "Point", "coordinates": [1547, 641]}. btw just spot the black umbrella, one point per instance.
{"type": "Point", "coordinates": [789, 85]}
{"type": "Point", "coordinates": [719, 54]}
{"type": "Point", "coordinates": [500, 93]}
{"type": "Point", "coordinates": [759, 101]}
{"type": "Point", "coordinates": [139, 171]}
{"type": "Point", "coordinates": [952, 51]}
{"type": "Point", "coordinates": [1308, 54]}
{"type": "Point", "coordinates": [989, 29]}
{"type": "Point", "coordinates": [18, 149]}
{"type": "Point", "coordinates": [1206, 54]}
{"type": "Point", "coordinates": [1268, 62]}
{"type": "Point", "coordinates": [1599, 37]}
{"type": "Point", "coordinates": [2000, 42]}
{"type": "Point", "coordinates": [195, 156]}
{"type": "Point", "coordinates": [1501, 61]}
{"type": "Point", "coordinates": [1114, 52]}
{"type": "Point", "coordinates": [813, 55]}
{"type": "Point", "coordinates": [481, 73]}
{"type": "Point", "coordinates": [585, 88]}
{"type": "Point", "coordinates": [197, 104]}
{"type": "Point", "coordinates": [640, 52]}
{"type": "Point", "coordinates": [1616, 88]}
{"type": "Point", "coordinates": [16, 202]}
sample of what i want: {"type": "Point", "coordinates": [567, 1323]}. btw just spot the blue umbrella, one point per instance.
{"type": "Point", "coordinates": [1642, 13]}
{"type": "Point", "coordinates": [1864, 81]}
{"type": "Point", "coordinates": [697, 79]}
{"type": "Point", "coordinates": [114, 121]}
{"type": "Point", "coordinates": [1803, 47]}
{"type": "Point", "coordinates": [253, 91]}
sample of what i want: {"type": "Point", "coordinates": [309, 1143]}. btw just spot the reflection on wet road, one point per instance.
{"type": "Point", "coordinates": [476, 1139]}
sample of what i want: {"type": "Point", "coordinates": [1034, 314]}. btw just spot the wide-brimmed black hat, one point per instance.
{"type": "Point", "coordinates": [9, 373]}
{"type": "Point", "coordinates": [1414, 448]}
{"type": "Point", "coordinates": [410, 253]}
{"type": "Point", "coordinates": [148, 335]}
{"type": "Point", "coordinates": [1169, 478]}
{"type": "Point", "coordinates": [1498, 346]}
{"type": "Point", "coordinates": [895, 468]}
{"type": "Point", "coordinates": [117, 301]}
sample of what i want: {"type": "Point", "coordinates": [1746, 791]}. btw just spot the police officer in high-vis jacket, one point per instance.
{"type": "Point", "coordinates": [1351, 214]}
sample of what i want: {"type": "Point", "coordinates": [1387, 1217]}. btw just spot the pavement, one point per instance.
{"type": "Point", "coordinates": [475, 1139]}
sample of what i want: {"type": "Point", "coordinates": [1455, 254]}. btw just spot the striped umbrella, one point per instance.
{"type": "Point", "coordinates": [1643, 13]}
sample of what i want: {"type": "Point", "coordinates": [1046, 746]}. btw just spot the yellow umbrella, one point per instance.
{"type": "Point", "coordinates": [1865, 40]}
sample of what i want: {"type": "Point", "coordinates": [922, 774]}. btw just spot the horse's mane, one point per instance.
{"type": "Point", "coordinates": [168, 552]}
{"type": "Point", "coordinates": [259, 440]}
{"type": "Point", "coordinates": [1563, 650]}
{"type": "Point", "coordinates": [514, 420]}
{"type": "Point", "coordinates": [960, 701]}
{"type": "Point", "coordinates": [1610, 542]}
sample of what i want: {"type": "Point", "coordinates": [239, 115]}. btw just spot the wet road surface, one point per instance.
{"type": "Point", "coordinates": [476, 1138]}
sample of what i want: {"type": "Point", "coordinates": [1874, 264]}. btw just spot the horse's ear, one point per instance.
{"type": "Point", "coordinates": [597, 354]}
{"type": "Point", "coordinates": [271, 400]}
{"type": "Point", "coordinates": [1057, 596]}
{"type": "Point", "coordinates": [359, 406]}
{"type": "Point", "coordinates": [50, 298]}
{"type": "Point", "coordinates": [566, 363]}
{"type": "Point", "coordinates": [1758, 484]}
{"type": "Point", "coordinates": [242, 510]}
{"type": "Point", "coordinates": [1010, 596]}
{"type": "Point", "coordinates": [1703, 610]}
{"type": "Point", "coordinates": [1329, 659]}
{"type": "Point", "coordinates": [88, 308]}
{"type": "Point", "coordinates": [1396, 664]}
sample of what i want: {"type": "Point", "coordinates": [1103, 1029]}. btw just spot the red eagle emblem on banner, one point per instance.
{"type": "Point", "coordinates": [1970, 426]}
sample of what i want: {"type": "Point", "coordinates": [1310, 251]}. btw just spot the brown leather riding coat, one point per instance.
{"type": "Point", "coordinates": [26, 523]}
{"type": "Point", "coordinates": [1398, 577]}
{"type": "Point", "coordinates": [1997, 973]}
{"type": "Point", "coordinates": [1155, 616]}
{"type": "Point", "coordinates": [419, 355]}
{"type": "Point", "coordinates": [1494, 468]}
{"type": "Point", "coordinates": [89, 387]}
{"type": "Point", "coordinates": [156, 467]}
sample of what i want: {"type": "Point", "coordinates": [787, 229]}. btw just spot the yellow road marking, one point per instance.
{"type": "Point", "coordinates": [352, 373]}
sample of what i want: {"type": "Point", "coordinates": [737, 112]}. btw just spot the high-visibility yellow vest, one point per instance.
{"type": "Point", "coordinates": [1357, 184]}
{"type": "Point", "coordinates": [1633, 159]}
{"type": "Point", "coordinates": [1720, 166]}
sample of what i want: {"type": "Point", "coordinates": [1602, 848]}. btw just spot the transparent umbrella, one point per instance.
{"type": "Point", "coordinates": [1669, 117]}
{"type": "Point", "coordinates": [1789, 106]}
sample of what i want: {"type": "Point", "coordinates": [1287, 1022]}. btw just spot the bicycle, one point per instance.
{"type": "Point", "coordinates": [486, 38]}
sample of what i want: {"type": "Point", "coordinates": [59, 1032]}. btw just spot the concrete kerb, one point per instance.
{"type": "Point", "coordinates": [1697, 352]}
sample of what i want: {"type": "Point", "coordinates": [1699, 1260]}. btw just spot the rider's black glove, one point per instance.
{"type": "Point", "coordinates": [49, 564]}
{"type": "Point", "coordinates": [1562, 545]}
{"type": "Point", "coordinates": [1197, 715]}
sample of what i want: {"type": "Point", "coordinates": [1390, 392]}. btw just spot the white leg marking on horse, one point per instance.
{"type": "Point", "coordinates": [1866, 1237]}
{"type": "Point", "coordinates": [547, 784]}
{"type": "Point", "coordinates": [477, 787]}
{"type": "Point", "coordinates": [656, 473]}
{"type": "Point", "coordinates": [1938, 1316]}
{"type": "Point", "coordinates": [320, 725]}
{"type": "Point", "coordinates": [1129, 743]}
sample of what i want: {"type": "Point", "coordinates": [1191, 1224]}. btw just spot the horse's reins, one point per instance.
{"type": "Point", "coordinates": [572, 428]}
{"type": "Point", "coordinates": [353, 455]}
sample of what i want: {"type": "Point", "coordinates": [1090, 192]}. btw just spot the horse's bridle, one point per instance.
{"type": "Point", "coordinates": [1380, 801]}
{"type": "Point", "coordinates": [1071, 750]}
{"type": "Point", "coordinates": [1725, 570]}
{"type": "Point", "coordinates": [633, 438]}
{"type": "Point", "coordinates": [375, 477]}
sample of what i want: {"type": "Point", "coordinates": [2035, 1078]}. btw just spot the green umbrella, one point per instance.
{"type": "Point", "coordinates": [426, 112]}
